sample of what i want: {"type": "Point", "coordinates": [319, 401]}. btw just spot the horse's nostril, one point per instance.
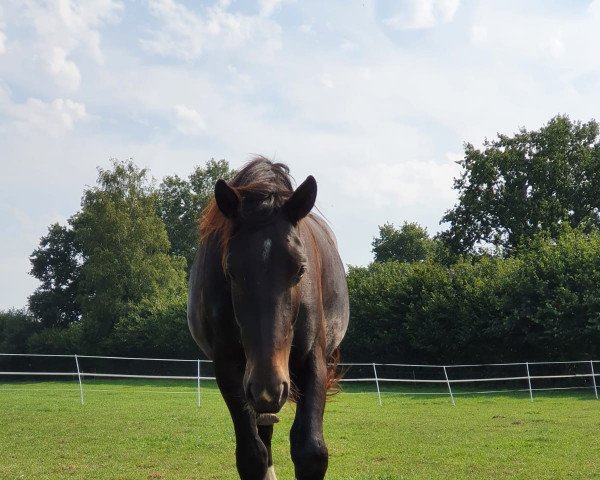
{"type": "Point", "coordinates": [267, 398]}
{"type": "Point", "coordinates": [249, 395]}
{"type": "Point", "coordinates": [284, 392]}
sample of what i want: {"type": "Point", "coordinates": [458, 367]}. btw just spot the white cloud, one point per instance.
{"type": "Point", "coordinates": [54, 118]}
{"type": "Point", "coordinates": [447, 9]}
{"type": "Point", "coordinates": [189, 121]}
{"type": "Point", "coordinates": [327, 81]}
{"type": "Point", "coordinates": [186, 34]}
{"type": "Point", "coordinates": [65, 26]}
{"type": "Point", "coordinates": [594, 7]}
{"type": "Point", "coordinates": [2, 34]}
{"type": "Point", "coordinates": [16, 285]}
{"type": "Point", "coordinates": [182, 33]}
{"type": "Point", "coordinates": [306, 28]}
{"type": "Point", "coordinates": [553, 47]}
{"type": "Point", "coordinates": [20, 216]}
{"type": "Point", "coordinates": [479, 34]}
{"type": "Point", "coordinates": [375, 141]}
{"type": "Point", "coordinates": [65, 71]}
{"type": "Point", "coordinates": [421, 14]}
{"type": "Point", "coordinates": [539, 40]}
{"type": "Point", "coordinates": [404, 183]}
{"type": "Point", "coordinates": [268, 7]}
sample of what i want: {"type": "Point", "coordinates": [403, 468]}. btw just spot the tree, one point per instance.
{"type": "Point", "coordinates": [124, 245]}
{"type": "Point", "coordinates": [16, 327]}
{"type": "Point", "coordinates": [111, 279]}
{"type": "Point", "coordinates": [556, 300]}
{"type": "Point", "coordinates": [531, 182]}
{"type": "Point", "coordinates": [181, 201]}
{"type": "Point", "coordinates": [157, 332]}
{"type": "Point", "coordinates": [410, 243]}
{"type": "Point", "coordinates": [377, 312]}
{"type": "Point", "coordinates": [56, 263]}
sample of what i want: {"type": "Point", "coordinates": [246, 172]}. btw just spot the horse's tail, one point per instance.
{"type": "Point", "coordinates": [334, 373]}
{"type": "Point", "coordinates": [332, 380]}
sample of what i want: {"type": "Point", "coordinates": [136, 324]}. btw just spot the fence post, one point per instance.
{"type": "Point", "coordinates": [449, 388]}
{"type": "Point", "coordinates": [198, 382]}
{"type": "Point", "coordinates": [594, 379]}
{"type": "Point", "coordinates": [79, 377]}
{"type": "Point", "coordinates": [529, 382]}
{"type": "Point", "coordinates": [377, 383]}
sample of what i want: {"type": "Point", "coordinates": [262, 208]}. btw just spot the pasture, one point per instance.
{"type": "Point", "coordinates": [155, 430]}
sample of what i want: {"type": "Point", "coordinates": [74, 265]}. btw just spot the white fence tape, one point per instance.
{"type": "Point", "coordinates": [376, 379]}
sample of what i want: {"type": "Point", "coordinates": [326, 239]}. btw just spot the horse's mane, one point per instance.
{"type": "Point", "coordinates": [263, 186]}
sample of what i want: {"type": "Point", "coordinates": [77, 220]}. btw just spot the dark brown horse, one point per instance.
{"type": "Point", "coordinates": [268, 302]}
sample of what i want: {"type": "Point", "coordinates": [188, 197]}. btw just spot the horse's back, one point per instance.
{"type": "Point", "coordinates": [334, 288]}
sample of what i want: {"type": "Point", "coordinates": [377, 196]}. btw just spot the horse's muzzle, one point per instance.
{"type": "Point", "coordinates": [267, 398]}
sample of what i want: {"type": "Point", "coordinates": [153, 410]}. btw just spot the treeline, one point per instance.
{"type": "Point", "coordinates": [514, 276]}
{"type": "Point", "coordinates": [541, 303]}
{"type": "Point", "coordinates": [113, 280]}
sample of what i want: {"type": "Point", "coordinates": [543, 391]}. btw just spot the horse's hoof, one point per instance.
{"type": "Point", "coordinates": [271, 473]}
{"type": "Point", "coordinates": [266, 419]}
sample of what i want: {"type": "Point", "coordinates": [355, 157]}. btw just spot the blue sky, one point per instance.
{"type": "Point", "coordinates": [373, 98]}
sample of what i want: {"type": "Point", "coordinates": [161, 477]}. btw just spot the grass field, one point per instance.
{"type": "Point", "coordinates": [136, 430]}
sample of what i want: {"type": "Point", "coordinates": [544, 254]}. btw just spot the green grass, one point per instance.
{"type": "Point", "coordinates": [146, 430]}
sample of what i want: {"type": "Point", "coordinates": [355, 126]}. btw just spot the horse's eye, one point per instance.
{"type": "Point", "coordinates": [301, 271]}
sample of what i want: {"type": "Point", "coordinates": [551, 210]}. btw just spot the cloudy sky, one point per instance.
{"type": "Point", "coordinates": [374, 98]}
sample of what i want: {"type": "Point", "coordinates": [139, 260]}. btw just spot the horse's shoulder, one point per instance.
{"type": "Point", "coordinates": [320, 228]}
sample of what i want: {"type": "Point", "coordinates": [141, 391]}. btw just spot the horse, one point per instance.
{"type": "Point", "coordinates": [268, 303]}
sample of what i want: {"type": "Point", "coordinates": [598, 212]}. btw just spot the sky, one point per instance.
{"type": "Point", "coordinates": [374, 98]}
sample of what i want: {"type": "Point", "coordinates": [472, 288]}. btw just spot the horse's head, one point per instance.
{"type": "Point", "coordinates": [266, 262]}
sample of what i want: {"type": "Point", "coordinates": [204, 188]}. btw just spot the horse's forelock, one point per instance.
{"type": "Point", "coordinates": [262, 171]}
{"type": "Point", "coordinates": [262, 185]}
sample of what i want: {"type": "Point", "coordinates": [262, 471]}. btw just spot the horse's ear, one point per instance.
{"type": "Point", "coordinates": [302, 200]}
{"type": "Point", "coordinates": [227, 199]}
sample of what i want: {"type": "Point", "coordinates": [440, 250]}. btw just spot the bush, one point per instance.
{"type": "Point", "coordinates": [16, 326]}
{"type": "Point", "coordinates": [59, 341]}
{"type": "Point", "coordinates": [542, 304]}
{"type": "Point", "coordinates": [159, 331]}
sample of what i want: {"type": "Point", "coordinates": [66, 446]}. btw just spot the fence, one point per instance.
{"type": "Point", "coordinates": [449, 377]}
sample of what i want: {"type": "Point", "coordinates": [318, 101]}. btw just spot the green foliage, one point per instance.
{"type": "Point", "coordinates": [16, 327]}
{"type": "Point", "coordinates": [410, 243]}
{"type": "Point", "coordinates": [125, 250]}
{"type": "Point", "coordinates": [532, 200]}
{"type": "Point", "coordinates": [377, 312]}
{"type": "Point", "coordinates": [556, 298]}
{"type": "Point", "coordinates": [57, 340]}
{"type": "Point", "coordinates": [155, 331]}
{"type": "Point", "coordinates": [531, 182]}
{"type": "Point", "coordinates": [181, 201]}
{"type": "Point", "coordinates": [542, 303]}
{"type": "Point", "coordinates": [56, 264]}
{"type": "Point", "coordinates": [453, 311]}
{"type": "Point", "coordinates": [421, 311]}
{"type": "Point", "coordinates": [114, 279]}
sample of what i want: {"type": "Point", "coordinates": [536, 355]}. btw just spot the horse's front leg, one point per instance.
{"type": "Point", "coordinates": [309, 452]}
{"type": "Point", "coordinates": [251, 454]}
